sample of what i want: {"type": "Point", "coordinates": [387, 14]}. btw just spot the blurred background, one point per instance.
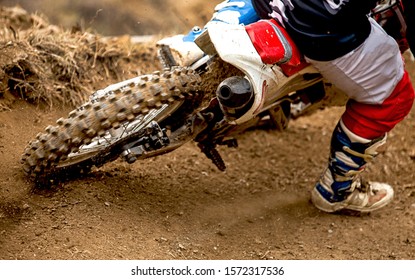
{"type": "Point", "coordinates": [119, 17]}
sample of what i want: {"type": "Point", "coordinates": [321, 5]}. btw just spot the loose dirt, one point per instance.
{"type": "Point", "coordinates": [179, 206]}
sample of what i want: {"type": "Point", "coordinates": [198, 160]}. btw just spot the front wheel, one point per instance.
{"type": "Point", "coordinates": [93, 133]}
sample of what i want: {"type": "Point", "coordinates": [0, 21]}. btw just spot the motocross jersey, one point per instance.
{"type": "Point", "coordinates": [409, 10]}
{"type": "Point", "coordinates": [322, 29]}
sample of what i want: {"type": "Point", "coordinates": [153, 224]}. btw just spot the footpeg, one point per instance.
{"type": "Point", "coordinates": [213, 154]}
{"type": "Point", "coordinates": [166, 57]}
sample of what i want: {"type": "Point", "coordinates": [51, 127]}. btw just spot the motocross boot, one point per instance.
{"type": "Point", "coordinates": [183, 48]}
{"type": "Point", "coordinates": [340, 186]}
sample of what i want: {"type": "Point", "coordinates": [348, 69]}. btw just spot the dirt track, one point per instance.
{"type": "Point", "coordinates": [178, 206]}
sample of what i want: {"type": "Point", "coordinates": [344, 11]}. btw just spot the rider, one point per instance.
{"type": "Point", "coordinates": [353, 52]}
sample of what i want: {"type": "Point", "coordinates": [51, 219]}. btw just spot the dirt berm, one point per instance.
{"type": "Point", "coordinates": [176, 206]}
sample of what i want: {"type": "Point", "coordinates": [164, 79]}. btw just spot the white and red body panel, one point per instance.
{"type": "Point", "coordinates": [234, 45]}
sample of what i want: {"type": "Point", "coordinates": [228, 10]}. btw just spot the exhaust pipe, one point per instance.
{"type": "Point", "coordinates": [235, 96]}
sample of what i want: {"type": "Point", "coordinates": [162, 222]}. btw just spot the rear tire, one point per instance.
{"type": "Point", "coordinates": [51, 153]}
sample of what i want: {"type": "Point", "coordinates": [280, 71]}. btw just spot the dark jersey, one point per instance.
{"type": "Point", "coordinates": [409, 10]}
{"type": "Point", "coordinates": [322, 29]}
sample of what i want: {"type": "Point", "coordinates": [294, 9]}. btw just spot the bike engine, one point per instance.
{"type": "Point", "coordinates": [235, 96]}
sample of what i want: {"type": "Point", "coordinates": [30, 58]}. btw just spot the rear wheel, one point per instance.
{"type": "Point", "coordinates": [93, 133]}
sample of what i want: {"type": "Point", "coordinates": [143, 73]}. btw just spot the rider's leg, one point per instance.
{"type": "Point", "coordinates": [229, 11]}
{"type": "Point", "coordinates": [381, 96]}
{"type": "Point", "coordinates": [340, 186]}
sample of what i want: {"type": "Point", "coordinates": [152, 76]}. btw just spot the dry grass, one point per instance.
{"type": "Point", "coordinates": [44, 64]}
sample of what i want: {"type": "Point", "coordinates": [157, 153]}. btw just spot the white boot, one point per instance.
{"type": "Point", "coordinates": [185, 52]}
{"type": "Point", "coordinates": [340, 186]}
{"type": "Point", "coordinates": [183, 48]}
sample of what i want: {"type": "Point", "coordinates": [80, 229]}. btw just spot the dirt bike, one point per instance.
{"type": "Point", "coordinates": [248, 74]}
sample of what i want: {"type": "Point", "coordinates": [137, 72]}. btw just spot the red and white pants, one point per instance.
{"type": "Point", "coordinates": [373, 76]}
